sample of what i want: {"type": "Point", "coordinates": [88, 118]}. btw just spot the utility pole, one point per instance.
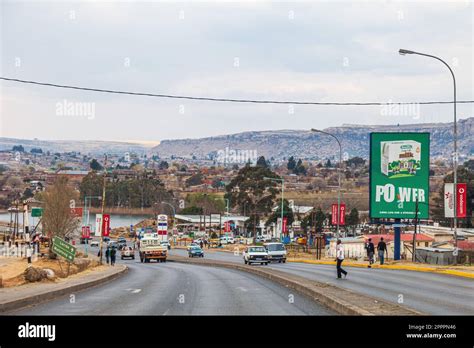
{"type": "Point", "coordinates": [338, 178]}
{"type": "Point", "coordinates": [104, 183]}
{"type": "Point", "coordinates": [414, 232]}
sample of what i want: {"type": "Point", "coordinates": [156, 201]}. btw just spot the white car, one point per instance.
{"type": "Point", "coordinates": [166, 244]}
{"type": "Point", "coordinates": [193, 245]}
{"type": "Point", "coordinates": [276, 251]}
{"type": "Point", "coordinates": [94, 243]}
{"type": "Point", "coordinates": [256, 254]}
{"type": "Point", "coordinates": [227, 240]}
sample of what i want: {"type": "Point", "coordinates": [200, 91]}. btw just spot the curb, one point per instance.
{"type": "Point", "coordinates": [50, 295]}
{"type": "Point", "coordinates": [342, 301]}
{"type": "Point", "coordinates": [394, 267]}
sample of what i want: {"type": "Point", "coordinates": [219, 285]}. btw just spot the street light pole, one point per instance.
{"type": "Point", "coordinates": [104, 183]}
{"type": "Point", "coordinates": [338, 179]}
{"type": "Point", "coordinates": [455, 135]}
{"type": "Point", "coordinates": [282, 194]}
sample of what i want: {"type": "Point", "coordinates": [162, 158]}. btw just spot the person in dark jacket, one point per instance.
{"type": "Point", "coordinates": [382, 249]}
{"type": "Point", "coordinates": [113, 253]}
{"type": "Point", "coordinates": [370, 251]}
{"type": "Point", "coordinates": [107, 254]}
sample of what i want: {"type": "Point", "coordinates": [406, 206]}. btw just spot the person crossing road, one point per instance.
{"type": "Point", "coordinates": [339, 259]}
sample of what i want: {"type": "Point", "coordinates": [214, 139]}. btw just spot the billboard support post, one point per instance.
{"type": "Point", "coordinates": [397, 232]}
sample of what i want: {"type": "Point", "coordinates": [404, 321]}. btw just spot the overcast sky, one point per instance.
{"type": "Point", "coordinates": [312, 51]}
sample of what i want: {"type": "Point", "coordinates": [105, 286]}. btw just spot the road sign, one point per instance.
{"type": "Point", "coordinates": [36, 212]}
{"type": "Point", "coordinates": [64, 249]}
{"type": "Point", "coordinates": [399, 175]}
{"type": "Point", "coordinates": [162, 225]}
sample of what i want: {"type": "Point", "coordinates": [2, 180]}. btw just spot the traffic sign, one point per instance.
{"type": "Point", "coordinates": [36, 212]}
{"type": "Point", "coordinates": [64, 249]}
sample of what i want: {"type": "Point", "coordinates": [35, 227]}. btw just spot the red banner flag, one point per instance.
{"type": "Point", "coordinates": [461, 199]}
{"type": "Point", "coordinates": [105, 225]}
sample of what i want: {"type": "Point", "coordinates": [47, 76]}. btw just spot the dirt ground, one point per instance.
{"type": "Point", "coordinates": [12, 269]}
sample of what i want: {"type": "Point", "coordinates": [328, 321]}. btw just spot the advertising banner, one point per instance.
{"type": "Point", "coordinates": [399, 175]}
{"type": "Point", "coordinates": [106, 225]}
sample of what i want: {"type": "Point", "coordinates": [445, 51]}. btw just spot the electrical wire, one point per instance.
{"type": "Point", "coordinates": [170, 96]}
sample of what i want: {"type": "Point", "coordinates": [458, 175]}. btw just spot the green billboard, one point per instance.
{"type": "Point", "coordinates": [399, 175]}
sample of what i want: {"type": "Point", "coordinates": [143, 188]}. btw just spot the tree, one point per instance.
{"type": "Point", "coordinates": [250, 191]}
{"type": "Point", "coordinates": [291, 165]}
{"type": "Point", "coordinates": [300, 169]}
{"type": "Point", "coordinates": [192, 210]}
{"type": "Point", "coordinates": [57, 218]}
{"type": "Point", "coordinates": [208, 203]}
{"type": "Point", "coordinates": [287, 213]}
{"type": "Point", "coordinates": [261, 162]}
{"type": "Point", "coordinates": [18, 148]}
{"type": "Point", "coordinates": [328, 163]}
{"type": "Point", "coordinates": [194, 180]}
{"type": "Point", "coordinates": [353, 219]}
{"type": "Point", "coordinates": [95, 165]}
{"type": "Point", "coordinates": [355, 161]}
{"type": "Point", "coordinates": [36, 150]}
{"type": "Point", "coordinates": [315, 219]}
{"type": "Point", "coordinates": [163, 165]}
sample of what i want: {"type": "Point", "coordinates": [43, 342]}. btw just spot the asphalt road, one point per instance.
{"type": "Point", "coordinates": [427, 292]}
{"type": "Point", "coordinates": [179, 289]}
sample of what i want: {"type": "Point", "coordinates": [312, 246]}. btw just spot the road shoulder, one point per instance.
{"type": "Point", "coordinates": [32, 294]}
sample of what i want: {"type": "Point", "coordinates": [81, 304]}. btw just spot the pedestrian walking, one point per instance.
{"type": "Point", "coordinates": [339, 259]}
{"type": "Point", "coordinates": [107, 254]}
{"type": "Point", "coordinates": [382, 249]}
{"type": "Point", "coordinates": [370, 251]}
{"type": "Point", "coordinates": [201, 244]}
{"type": "Point", "coordinates": [113, 252]}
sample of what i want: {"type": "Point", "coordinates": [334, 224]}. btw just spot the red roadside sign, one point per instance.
{"type": "Point", "coordinates": [461, 198]}
{"type": "Point", "coordinates": [86, 232]}
{"type": "Point", "coordinates": [105, 225]}
{"type": "Point", "coordinates": [341, 215]}
{"type": "Point", "coordinates": [285, 222]}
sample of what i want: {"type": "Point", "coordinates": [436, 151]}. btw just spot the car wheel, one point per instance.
{"type": "Point", "coordinates": [266, 263]}
{"type": "Point", "coordinates": [284, 261]}
{"type": "Point", "coordinates": [245, 261]}
{"type": "Point", "coordinates": [141, 259]}
{"type": "Point", "coordinates": [279, 261]}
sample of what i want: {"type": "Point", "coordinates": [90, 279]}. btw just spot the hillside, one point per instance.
{"type": "Point", "coordinates": [304, 144]}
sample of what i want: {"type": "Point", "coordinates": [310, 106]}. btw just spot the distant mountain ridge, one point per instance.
{"type": "Point", "coordinates": [281, 144]}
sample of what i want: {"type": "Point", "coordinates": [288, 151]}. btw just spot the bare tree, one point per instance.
{"type": "Point", "coordinates": [58, 200]}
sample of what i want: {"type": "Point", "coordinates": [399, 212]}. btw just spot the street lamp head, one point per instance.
{"type": "Point", "coordinates": [403, 51]}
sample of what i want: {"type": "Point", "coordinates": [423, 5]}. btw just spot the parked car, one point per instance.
{"type": "Point", "coordinates": [166, 244]}
{"type": "Point", "coordinates": [127, 252]}
{"type": "Point", "coordinates": [121, 240]}
{"type": "Point", "coordinates": [112, 244]}
{"type": "Point", "coordinates": [256, 254]}
{"type": "Point", "coordinates": [195, 251]}
{"type": "Point", "coordinates": [94, 243]}
{"type": "Point", "coordinates": [106, 239]}
{"type": "Point", "coordinates": [227, 240]}
{"type": "Point", "coordinates": [276, 251]}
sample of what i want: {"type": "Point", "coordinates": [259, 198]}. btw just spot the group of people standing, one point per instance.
{"type": "Point", "coordinates": [370, 248]}
{"type": "Point", "coordinates": [110, 255]}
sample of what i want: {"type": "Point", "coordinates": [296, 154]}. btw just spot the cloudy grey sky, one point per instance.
{"type": "Point", "coordinates": [313, 51]}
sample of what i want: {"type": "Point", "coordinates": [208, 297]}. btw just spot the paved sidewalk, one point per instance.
{"type": "Point", "coordinates": [30, 294]}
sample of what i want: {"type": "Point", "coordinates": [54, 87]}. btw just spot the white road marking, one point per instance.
{"type": "Point", "coordinates": [242, 289]}
{"type": "Point", "coordinates": [133, 291]}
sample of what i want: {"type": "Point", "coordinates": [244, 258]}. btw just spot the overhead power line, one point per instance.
{"type": "Point", "coordinates": [170, 96]}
